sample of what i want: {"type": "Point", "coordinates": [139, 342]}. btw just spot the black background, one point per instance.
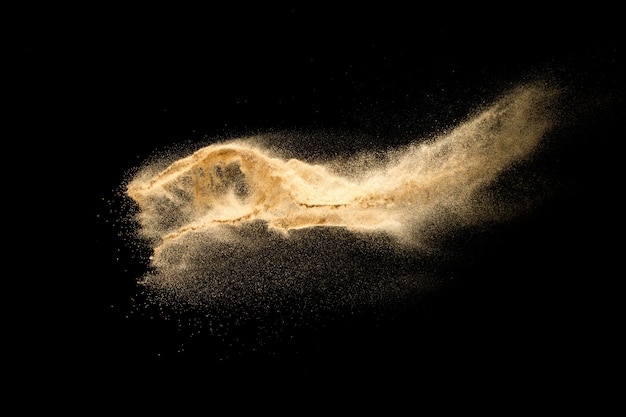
{"type": "Point", "coordinates": [98, 91]}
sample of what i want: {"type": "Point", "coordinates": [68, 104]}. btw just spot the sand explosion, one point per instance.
{"type": "Point", "coordinates": [235, 221]}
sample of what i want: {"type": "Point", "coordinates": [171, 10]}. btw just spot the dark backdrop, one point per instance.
{"type": "Point", "coordinates": [100, 90]}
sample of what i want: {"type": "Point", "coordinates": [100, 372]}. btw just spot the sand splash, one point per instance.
{"type": "Point", "coordinates": [235, 221]}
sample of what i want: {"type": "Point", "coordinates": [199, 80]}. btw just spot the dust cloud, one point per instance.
{"type": "Point", "coordinates": [237, 224]}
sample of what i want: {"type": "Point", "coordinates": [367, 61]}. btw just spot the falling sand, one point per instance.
{"type": "Point", "coordinates": [235, 224]}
